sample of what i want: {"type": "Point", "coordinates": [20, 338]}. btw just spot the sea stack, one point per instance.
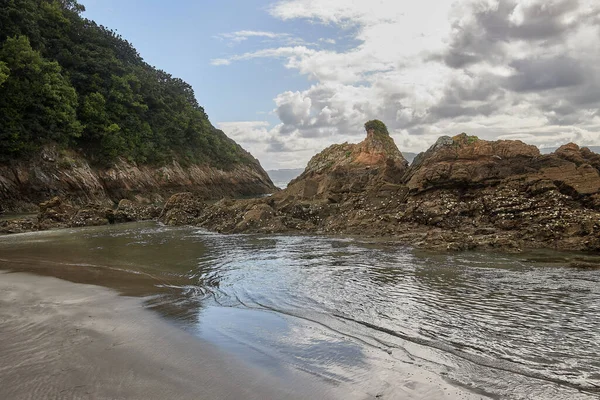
{"type": "Point", "coordinates": [351, 168]}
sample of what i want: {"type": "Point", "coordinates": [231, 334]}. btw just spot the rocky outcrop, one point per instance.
{"type": "Point", "coordinates": [467, 161]}
{"type": "Point", "coordinates": [182, 209]}
{"type": "Point", "coordinates": [59, 213]}
{"type": "Point", "coordinates": [350, 168]}
{"type": "Point", "coordinates": [462, 193]}
{"type": "Point", "coordinates": [66, 174]}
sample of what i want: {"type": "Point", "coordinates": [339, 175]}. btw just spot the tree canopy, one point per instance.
{"type": "Point", "coordinates": [67, 80]}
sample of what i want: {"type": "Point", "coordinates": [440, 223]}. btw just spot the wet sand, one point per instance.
{"type": "Point", "coordinates": [60, 340]}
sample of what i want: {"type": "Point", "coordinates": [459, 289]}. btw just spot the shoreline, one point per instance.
{"type": "Point", "coordinates": [68, 340]}
{"type": "Point", "coordinates": [415, 236]}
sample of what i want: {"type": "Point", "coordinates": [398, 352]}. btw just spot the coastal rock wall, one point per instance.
{"type": "Point", "coordinates": [23, 185]}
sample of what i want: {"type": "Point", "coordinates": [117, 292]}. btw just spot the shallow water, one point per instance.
{"type": "Point", "coordinates": [370, 314]}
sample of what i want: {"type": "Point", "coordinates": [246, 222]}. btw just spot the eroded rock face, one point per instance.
{"type": "Point", "coordinates": [468, 161]}
{"type": "Point", "coordinates": [68, 175]}
{"type": "Point", "coordinates": [182, 209]}
{"type": "Point", "coordinates": [350, 168]}
{"type": "Point", "coordinates": [578, 156]}
{"type": "Point", "coordinates": [60, 213]}
{"type": "Point", "coordinates": [128, 211]}
{"type": "Point", "coordinates": [463, 193]}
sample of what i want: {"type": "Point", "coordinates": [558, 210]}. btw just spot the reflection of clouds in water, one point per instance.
{"type": "Point", "coordinates": [492, 310]}
{"type": "Point", "coordinates": [280, 341]}
{"type": "Point", "coordinates": [320, 351]}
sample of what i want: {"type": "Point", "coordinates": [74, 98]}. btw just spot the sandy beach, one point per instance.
{"type": "Point", "coordinates": [61, 340]}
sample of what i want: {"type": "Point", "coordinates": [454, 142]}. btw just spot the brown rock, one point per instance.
{"type": "Point", "coordinates": [182, 209]}
{"type": "Point", "coordinates": [463, 193]}
{"type": "Point", "coordinates": [466, 161]}
{"type": "Point", "coordinates": [55, 210]}
{"type": "Point", "coordinates": [71, 176]}
{"type": "Point", "coordinates": [259, 215]}
{"type": "Point", "coordinates": [128, 210]}
{"type": "Point", "coordinates": [349, 168]}
{"type": "Point", "coordinates": [575, 154]}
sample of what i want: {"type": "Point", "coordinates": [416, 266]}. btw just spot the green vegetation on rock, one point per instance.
{"type": "Point", "coordinates": [463, 139]}
{"type": "Point", "coordinates": [377, 126]}
{"type": "Point", "coordinates": [64, 79]}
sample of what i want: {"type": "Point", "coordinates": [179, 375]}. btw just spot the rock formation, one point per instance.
{"type": "Point", "coordinates": [345, 168]}
{"type": "Point", "coordinates": [59, 213]}
{"type": "Point", "coordinates": [23, 185]}
{"type": "Point", "coordinates": [462, 193]}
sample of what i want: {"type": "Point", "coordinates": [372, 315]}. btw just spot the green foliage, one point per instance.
{"type": "Point", "coordinates": [37, 103]}
{"type": "Point", "coordinates": [377, 126]}
{"type": "Point", "coordinates": [464, 139]}
{"type": "Point", "coordinates": [4, 72]}
{"type": "Point", "coordinates": [64, 78]}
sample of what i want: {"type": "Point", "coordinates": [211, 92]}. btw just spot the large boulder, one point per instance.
{"type": "Point", "coordinates": [60, 213]}
{"type": "Point", "coordinates": [578, 156]}
{"type": "Point", "coordinates": [182, 209]}
{"type": "Point", "coordinates": [128, 210]}
{"type": "Point", "coordinates": [465, 160]}
{"type": "Point", "coordinates": [55, 213]}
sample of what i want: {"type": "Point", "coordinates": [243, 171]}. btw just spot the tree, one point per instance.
{"type": "Point", "coordinates": [66, 79]}
{"type": "Point", "coordinates": [37, 103]}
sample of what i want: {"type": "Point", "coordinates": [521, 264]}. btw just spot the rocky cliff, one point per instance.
{"type": "Point", "coordinates": [25, 184]}
{"type": "Point", "coordinates": [462, 193]}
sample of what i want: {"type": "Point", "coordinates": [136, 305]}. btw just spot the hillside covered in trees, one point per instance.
{"type": "Point", "coordinates": [65, 79]}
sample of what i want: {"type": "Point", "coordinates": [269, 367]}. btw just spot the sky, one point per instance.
{"type": "Point", "coordinates": [287, 78]}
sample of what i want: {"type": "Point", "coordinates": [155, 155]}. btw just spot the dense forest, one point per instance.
{"type": "Point", "coordinates": [65, 79]}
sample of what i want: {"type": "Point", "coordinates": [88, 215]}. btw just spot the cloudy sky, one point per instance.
{"type": "Point", "coordinates": [287, 78]}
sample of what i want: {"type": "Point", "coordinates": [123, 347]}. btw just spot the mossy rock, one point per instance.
{"type": "Point", "coordinates": [464, 139]}
{"type": "Point", "coordinates": [377, 126]}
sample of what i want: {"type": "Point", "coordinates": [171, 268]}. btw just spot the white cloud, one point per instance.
{"type": "Point", "coordinates": [272, 148]}
{"type": "Point", "coordinates": [292, 53]}
{"type": "Point", "coordinates": [271, 38]}
{"type": "Point", "coordinates": [241, 36]}
{"type": "Point", "coordinates": [496, 68]}
{"type": "Point", "coordinates": [327, 40]}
